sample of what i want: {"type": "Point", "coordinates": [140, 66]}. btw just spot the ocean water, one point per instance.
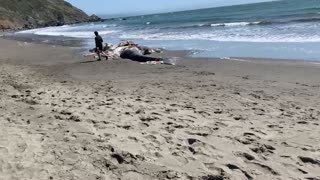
{"type": "Point", "coordinates": [287, 29]}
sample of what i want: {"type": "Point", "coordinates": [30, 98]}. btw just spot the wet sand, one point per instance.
{"type": "Point", "coordinates": [63, 116]}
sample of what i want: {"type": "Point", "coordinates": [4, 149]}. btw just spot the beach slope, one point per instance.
{"type": "Point", "coordinates": [66, 117]}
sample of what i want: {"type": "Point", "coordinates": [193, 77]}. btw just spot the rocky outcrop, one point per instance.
{"type": "Point", "coordinates": [5, 24]}
{"type": "Point", "coordinates": [17, 14]}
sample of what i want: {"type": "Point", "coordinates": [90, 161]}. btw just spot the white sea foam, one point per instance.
{"type": "Point", "coordinates": [234, 59]}
{"type": "Point", "coordinates": [233, 35]}
{"type": "Point", "coordinates": [222, 37]}
{"type": "Point", "coordinates": [67, 31]}
{"type": "Point", "coordinates": [235, 24]}
{"type": "Point", "coordinates": [82, 34]}
{"type": "Point", "coordinates": [233, 32]}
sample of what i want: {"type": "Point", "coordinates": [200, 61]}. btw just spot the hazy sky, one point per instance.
{"type": "Point", "coordinates": [129, 7]}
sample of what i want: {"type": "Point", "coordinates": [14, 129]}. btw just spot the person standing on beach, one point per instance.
{"type": "Point", "coordinates": [99, 47]}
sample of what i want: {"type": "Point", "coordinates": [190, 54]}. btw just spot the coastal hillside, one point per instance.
{"type": "Point", "coordinates": [16, 14]}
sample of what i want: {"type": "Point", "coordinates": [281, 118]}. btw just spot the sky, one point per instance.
{"type": "Point", "coordinates": [139, 7]}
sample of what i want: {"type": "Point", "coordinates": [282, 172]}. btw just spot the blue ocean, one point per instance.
{"type": "Point", "coordinates": [287, 29]}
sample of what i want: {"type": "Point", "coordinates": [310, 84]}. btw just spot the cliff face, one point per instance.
{"type": "Point", "coordinates": [15, 14]}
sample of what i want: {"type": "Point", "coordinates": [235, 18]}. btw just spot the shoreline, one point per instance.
{"type": "Point", "coordinates": [63, 116]}
{"type": "Point", "coordinates": [78, 43]}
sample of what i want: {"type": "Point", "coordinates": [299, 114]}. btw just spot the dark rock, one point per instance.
{"type": "Point", "coordinates": [94, 18]}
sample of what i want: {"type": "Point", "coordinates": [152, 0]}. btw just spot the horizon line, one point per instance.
{"type": "Point", "coordinates": [167, 12]}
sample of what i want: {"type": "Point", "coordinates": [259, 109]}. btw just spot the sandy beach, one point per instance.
{"type": "Point", "coordinates": [65, 117]}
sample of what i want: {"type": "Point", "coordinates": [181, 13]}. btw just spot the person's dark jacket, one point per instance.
{"type": "Point", "coordinates": [99, 41]}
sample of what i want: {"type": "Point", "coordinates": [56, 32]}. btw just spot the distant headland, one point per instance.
{"type": "Point", "coordinates": [28, 14]}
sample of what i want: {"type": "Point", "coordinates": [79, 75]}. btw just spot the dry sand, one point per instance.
{"type": "Point", "coordinates": [64, 117]}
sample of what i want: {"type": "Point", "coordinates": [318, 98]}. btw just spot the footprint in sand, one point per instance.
{"type": "Point", "coordinates": [309, 160]}
{"type": "Point", "coordinates": [219, 173]}
{"type": "Point", "coordinates": [235, 167]}
{"type": "Point", "coordinates": [265, 168]}
{"type": "Point", "coordinates": [263, 149]}
{"type": "Point", "coordinates": [246, 156]}
{"type": "Point", "coordinates": [212, 177]}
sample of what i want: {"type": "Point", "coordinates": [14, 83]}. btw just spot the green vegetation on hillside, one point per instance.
{"type": "Point", "coordinates": [37, 13]}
